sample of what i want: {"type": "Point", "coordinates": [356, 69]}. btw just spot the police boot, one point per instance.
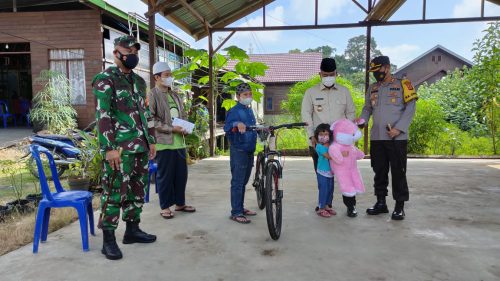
{"type": "Point", "coordinates": [109, 247]}
{"type": "Point", "coordinates": [379, 207]}
{"type": "Point", "coordinates": [399, 212]}
{"type": "Point", "coordinates": [350, 203]}
{"type": "Point", "coordinates": [133, 234]}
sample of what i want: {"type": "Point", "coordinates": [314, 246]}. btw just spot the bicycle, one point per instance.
{"type": "Point", "coordinates": [268, 171]}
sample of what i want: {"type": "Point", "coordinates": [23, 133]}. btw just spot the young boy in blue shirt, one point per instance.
{"type": "Point", "coordinates": [242, 146]}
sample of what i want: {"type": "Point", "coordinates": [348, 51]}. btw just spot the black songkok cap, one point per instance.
{"type": "Point", "coordinates": [328, 65]}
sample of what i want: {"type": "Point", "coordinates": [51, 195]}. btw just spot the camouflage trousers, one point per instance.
{"type": "Point", "coordinates": [123, 189]}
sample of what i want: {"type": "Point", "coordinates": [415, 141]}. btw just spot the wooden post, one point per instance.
{"type": "Point", "coordinates": [211, 102]}
{"type": "Point", "coordinates": [152, 41]}
{"type": "Point", "coordinates": [367, 74]}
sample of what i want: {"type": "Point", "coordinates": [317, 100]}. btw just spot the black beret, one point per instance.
{"type": "Point", "coordinates": [328, 65]}
{"type": "Point", "coordinates": [377, 62]}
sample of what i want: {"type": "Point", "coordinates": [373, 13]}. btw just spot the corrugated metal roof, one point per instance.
{"type": "Point", "coordinates": [214, 13]}
{"type": "Point", "coordinates": [286, 68]}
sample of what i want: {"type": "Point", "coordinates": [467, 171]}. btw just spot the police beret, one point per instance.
{"type": "Point", "coordinates": [328, 65]}
{"type": "Point", "coordinates": [243, 87]}
{"type": "Point", "coordinates": [127, 41]}
{"type": "Point", "coordinates": [377, 62]}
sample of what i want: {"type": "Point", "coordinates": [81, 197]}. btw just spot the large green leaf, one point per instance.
{"type": "Point", "coordinates": [229, 76]}
{"type": "Point", "coordinates": [186, 87]}
{"type": "Point", "coordinates": [255, 69]}
{"type": "Point", "coordinates": [203, 80]}
{"type": "Point", "coordinates": [236, 53]}
{"type": "Point", "coordinates": [219, 61]}
{"type": "Point", "coordinates": [228, 104]}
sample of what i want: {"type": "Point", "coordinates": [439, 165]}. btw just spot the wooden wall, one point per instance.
{"type": "Point", "coordinates": [59, 30]}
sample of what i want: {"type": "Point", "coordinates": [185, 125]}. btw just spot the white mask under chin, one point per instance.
{"type": "Point", "coordinates": [345, 139]}
{"type": "Point", "coordinates": [328, 81]}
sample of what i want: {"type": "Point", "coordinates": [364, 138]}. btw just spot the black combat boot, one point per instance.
{"type": "Point", "coordinates": [133, 234]}
{"type": "Point", "coordinates": [350, 203]}
{"type": "Point", "coordinates": [399, 212]}
{"type": "Point", "coordinates": [379, 207]}
{"type": "Point", "coordinates": [109, 246]}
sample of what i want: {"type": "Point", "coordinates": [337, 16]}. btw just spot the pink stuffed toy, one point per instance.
{"type": "Point", "coordinates": [344, 161]}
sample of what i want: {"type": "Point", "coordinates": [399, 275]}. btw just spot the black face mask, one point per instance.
{"type": "Point", "coordinates": [379, 75]}
{"type": "Point", "coordinates": [131, 61]}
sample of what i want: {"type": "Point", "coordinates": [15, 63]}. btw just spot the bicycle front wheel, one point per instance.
{"type": "Point", "coordinates": [273, 196]}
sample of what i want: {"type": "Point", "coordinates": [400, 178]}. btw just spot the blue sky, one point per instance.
{"type": "Point", "coordinates": [401, 43]}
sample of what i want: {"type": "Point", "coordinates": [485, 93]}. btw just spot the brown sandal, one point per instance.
{"type": "Point", "coordinates": [186, 208]}
{"type": "Point", "coordinates": [240, 219]}
{"type": "Point", "coordinates": [247, 212]}
{"type": "Point", "coordinates": [167, 215]}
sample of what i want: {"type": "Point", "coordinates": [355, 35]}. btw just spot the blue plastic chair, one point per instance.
{"type": "Point", "coordinates": [80, 200]}
{"type": "Point", "coordinates": [25, 111]}
{"type": "Point", "coordinates": [4, 113]}
{"type": "Point", "coordinates": [153, 167]}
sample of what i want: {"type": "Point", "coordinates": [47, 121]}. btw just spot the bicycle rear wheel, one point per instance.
{"type": "Point", "coordinates": [258, 182]}
{"type": "Point", "coordinates": [273, 196]}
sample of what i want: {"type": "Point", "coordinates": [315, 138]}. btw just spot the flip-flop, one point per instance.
{"type": "Point", "coordinates": [187, 209]}
{"type": "Point", "coordinates": [247, 212]}
{"type": "Point", "coordinates": [331, 211]}
{"type": "Point", "coordinates": [240, 219]}
{"type": "Point", "coordinates": [324, 213]}
{"type": "Point", "coordinates": [167, 215]}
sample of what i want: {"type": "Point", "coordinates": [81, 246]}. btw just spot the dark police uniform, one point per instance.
{"type": "Point", "coordinates": [393, 104]}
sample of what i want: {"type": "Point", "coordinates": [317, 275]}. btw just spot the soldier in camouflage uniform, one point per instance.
{"type": "Point", "coordinates": [127, 139]}
{"type": "Point", "coordinates": [392, 103]}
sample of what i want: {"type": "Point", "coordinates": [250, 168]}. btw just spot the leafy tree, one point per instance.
{"type": "Point", "coordinates": [355, 52]}
{"type": "Point", "coordinates": [486, 77]}
{"type": "Point", "coordinates": [459, 98]}
{"type": "Point", "coordinates": [295, 51]}
{"type": "Point", "coordinates": [293, 103]}
{"type": "Point", "coordinates": [326, 50]}
{"type": "Point", "coordinates": [230, 79]}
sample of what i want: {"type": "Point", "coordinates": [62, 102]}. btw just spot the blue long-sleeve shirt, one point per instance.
{"type": "Point", "coordinates": [244, 114]}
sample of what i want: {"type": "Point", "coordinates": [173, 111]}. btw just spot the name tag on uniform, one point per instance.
{"type": "Point", "coordinates": [395, 89]}
{"type": "Point", "coordinates": [319, 98]}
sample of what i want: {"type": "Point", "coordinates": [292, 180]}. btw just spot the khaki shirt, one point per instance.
{"type": "Point", "coordinates": [160, 110]}
{"type": "Point", "coordinates": [385, 101]}
{"type": "Point", "coordinates": [323, 105]}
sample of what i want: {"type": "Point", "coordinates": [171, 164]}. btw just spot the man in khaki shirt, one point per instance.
{"type": "Point", "coordinates": [325, 102]}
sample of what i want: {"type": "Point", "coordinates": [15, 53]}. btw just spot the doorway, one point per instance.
{"type": "Point", "coordinates": [15, 79]}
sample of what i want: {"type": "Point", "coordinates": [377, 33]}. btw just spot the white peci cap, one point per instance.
{"type": "Point", "coordinates": [160, 67]}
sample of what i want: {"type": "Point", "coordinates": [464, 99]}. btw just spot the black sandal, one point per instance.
{"type": "Point", "coordinates": [240, 219]}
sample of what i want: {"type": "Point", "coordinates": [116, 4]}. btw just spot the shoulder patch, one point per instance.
{"type": "Point", "coordinates": [409, 92]}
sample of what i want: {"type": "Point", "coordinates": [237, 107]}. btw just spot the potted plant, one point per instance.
{"type": "Point", "coordinates": [52, 109]}
{"type": "Point", "coordinates": [88, 170]}
{"type": "Point", "coordinates": [77, 176]}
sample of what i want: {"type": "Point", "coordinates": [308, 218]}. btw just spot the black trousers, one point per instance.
{"type": "Point", "coordinates": [171, 177]}
{"type": "Point", "coordinates": [391, 154]}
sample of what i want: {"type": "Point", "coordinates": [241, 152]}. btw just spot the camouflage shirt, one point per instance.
{"type": "Point", "coordinates": [123, 117]}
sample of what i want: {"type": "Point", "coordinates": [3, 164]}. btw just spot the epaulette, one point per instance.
{"type": "Point", "coordinates": [409, 92]}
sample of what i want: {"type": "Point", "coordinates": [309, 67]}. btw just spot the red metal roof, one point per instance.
{"type": "Point", "coordinates": [286, 68]}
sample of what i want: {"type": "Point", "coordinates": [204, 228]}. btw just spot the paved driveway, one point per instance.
{"type": "Point", "coordinates": [11, 136]}
{"type": "Point", "coordinates": [452, 232]}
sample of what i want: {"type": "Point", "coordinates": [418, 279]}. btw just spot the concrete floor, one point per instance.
{"type": "Point", "coordinates": [452, 232]}
{"type": "Point", "coordinates": [11, 136]}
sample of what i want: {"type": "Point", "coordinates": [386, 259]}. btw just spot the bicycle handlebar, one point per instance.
{"type": "Point", "coordinates": [272, 128]}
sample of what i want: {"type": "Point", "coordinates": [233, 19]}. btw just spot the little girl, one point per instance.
{"type": "Point", "coordinates": [324, 136]}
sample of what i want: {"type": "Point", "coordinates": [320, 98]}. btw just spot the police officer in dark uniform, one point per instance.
{"type": "Point", "coordinates": [392, 103]}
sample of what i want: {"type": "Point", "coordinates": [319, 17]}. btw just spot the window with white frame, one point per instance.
{"type": "Point", "coordinates": [70, 62]}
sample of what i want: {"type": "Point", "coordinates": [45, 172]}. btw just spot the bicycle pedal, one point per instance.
{"type": "Point", "coordinates": [279, 195]}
